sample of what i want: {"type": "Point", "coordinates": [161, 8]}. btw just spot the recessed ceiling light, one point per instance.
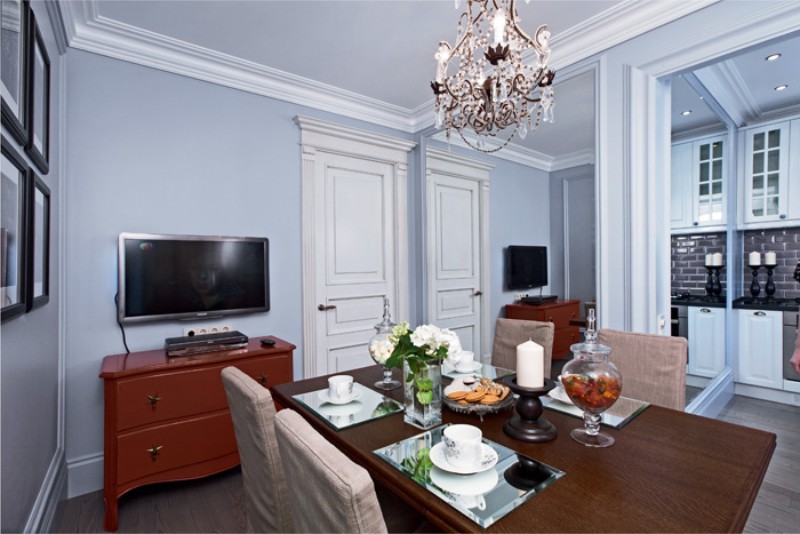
{"type": "Point", "coordinates": [772, 57]}
{"type": "Point", "coordinates": [686, 113]}
{"type": "Point", "coordinates": [782, 87]}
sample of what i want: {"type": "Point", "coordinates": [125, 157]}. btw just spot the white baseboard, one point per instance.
{"type": "Point", "coordinates": [772, 395]}
{"type": "Point", "coordinates": [85, 474]}
{"type": "Point", "coordinates": [50, 495]}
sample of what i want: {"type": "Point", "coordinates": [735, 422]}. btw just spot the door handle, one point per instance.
{"type": "Point", "coordinates": [322, 307]}
{"type": "Point", "coordinates": [477, 293]}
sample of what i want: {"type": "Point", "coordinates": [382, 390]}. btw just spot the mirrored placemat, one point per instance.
{"type": "Point", "coordinates": [368, 406]}
{"type": "Point", "coordinates": [484, 497]}
{"type": "Point", "coordinates": [620, 413]}
{"type": "Point", "coordinates": [489, 371]}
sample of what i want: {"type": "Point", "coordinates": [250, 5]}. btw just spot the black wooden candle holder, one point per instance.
{"type": "Point", "coordinates": [527, 424]}
{"type": "Point", "coordinates": [769, 289]}
{"type": "Point", "coordinates": [755, 288]}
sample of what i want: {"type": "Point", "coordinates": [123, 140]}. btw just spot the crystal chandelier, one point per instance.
{"type": "Point", "coordinates": [493, 88]}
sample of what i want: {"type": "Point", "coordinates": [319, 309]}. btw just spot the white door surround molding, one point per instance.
{"type": "Point", "coordinates": [317, 137]}
{"type": "Point", "coordinates": [444, 163]}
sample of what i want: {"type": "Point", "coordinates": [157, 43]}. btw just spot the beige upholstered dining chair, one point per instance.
{"type": "Point", "coordinates": [329, 492]}
{"type": "Point", "coordinates": [508, 333]}
{"type": "Point", "coordinates": [653, 367]}
{"type": "Point", "coordinates": [265, 490]}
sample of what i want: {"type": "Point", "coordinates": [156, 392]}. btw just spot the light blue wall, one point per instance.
{"type": "Point", "coordinates": [29, 347]}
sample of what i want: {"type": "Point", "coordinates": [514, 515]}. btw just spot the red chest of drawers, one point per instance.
{"type": "Point", "coordinates": [167, 419]}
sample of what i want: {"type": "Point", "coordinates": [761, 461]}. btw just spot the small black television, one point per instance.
{"type": "Point", "coordinates": [191, 277]}
{"type": "Point", "coordinates": [526, 266]}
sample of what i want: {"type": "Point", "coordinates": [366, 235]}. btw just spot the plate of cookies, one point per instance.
{"type": "Point", "coordinates": [477, 395]}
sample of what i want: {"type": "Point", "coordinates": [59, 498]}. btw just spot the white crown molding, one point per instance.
{"type": "Point", "coordinates": [575, 159]}
{"type": "Point", "coordinates": [86, 30]}
{"type": "Point", "coordinates": [616, 25]}
{"type": "Point", "coordinates": [512, 152]}
{"type": "Point", "coordinates": [725, 82]}
{"type": "Point", "coordinates": [699, 132]}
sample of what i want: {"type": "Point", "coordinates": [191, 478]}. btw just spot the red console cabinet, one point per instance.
{"type": "Point", "coordinates": [167, 419]}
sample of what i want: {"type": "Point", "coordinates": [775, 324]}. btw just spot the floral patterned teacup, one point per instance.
{"type": "Point", "coordinates": [462, 446]}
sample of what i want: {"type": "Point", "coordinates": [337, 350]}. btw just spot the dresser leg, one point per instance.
{"type": "Point", "coordinates": [112, 513]}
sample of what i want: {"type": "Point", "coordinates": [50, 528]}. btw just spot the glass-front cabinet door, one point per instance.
{"type": "Point", "coordinates": [766, 173]}
{"type": "Point", "coordinates": [709, 205]}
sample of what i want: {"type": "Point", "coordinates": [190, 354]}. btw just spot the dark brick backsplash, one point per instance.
{"type": "Point", "coordinates": [689, 274]}
{"type": "Point", "coordinates": [785, 242]}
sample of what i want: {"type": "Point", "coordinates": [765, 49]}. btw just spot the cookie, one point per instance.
{"type": "Point", "coordinates": [475, 396]}
{"type": "Point", "coordinates": [490, 399]}
{"type": "Point", "coordinates": [457, 395]}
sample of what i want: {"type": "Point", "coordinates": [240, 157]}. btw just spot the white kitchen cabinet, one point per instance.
{"type": "Point", "coordinates": [771, 175]}
{"type": "Point", "coordinates": [706, 341]}
{"type": "Point", "coordinates": [760, 348]}
{"type": "Point", "coordinates": [698, 197]}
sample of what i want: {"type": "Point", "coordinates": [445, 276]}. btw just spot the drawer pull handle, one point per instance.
{"type": "Point", "coordinates": [154, 451]}
{"type": "Point", "coordinates": [262, 379]}
{"type": "Point", "coordinates": [550, 319]}
{"type": "Point", "coordinates": [759, 314]}
{"type": "Point", "coordinates": [153, 400]}
{"type": "Point", "coordinates": [705, 310]}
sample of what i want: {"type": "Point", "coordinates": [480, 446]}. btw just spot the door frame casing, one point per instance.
{"type": "Point", "coordinates": [316, 137]}
{"type": "Point", "coordinates": [457, 166]}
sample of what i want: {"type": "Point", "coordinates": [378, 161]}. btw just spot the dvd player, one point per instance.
{"type": "Point", "coordinates": [539, 300]}
{"type": "Point", "coordinates": [181, 346]}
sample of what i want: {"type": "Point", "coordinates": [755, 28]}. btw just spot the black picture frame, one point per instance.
{"type": "Point", "coordinates": [14, 107]}
{"type": "Point", "coordinates": [38, 231]}
{"type": "Point", "coordinates": [38, 145]}
{"type": "Point", "coordinates": [14, 184]}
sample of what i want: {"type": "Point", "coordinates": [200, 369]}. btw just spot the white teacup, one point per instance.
{"type": "Point", "coordinates": [462, 445]}
{"type": "Point", "coordinates": [465, 362]}
{"type": "Point", "coordinates": [340, 387]}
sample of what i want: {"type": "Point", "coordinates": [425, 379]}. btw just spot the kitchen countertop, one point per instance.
{"type": "Point", "coordinates": [687, 299]}
{"type": "Point", "coordinates": [749, 303]}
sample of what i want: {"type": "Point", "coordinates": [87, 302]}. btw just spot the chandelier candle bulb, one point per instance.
{"type": "Point", "coordinates": [530, 365]}
{"type": "Point", "coordinates": [770, 259]}
{"type": "Point", "coordinates": [755, 258]}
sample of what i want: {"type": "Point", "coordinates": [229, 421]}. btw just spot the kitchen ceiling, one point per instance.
{"type": "Point", "coordinates": [369, 59]}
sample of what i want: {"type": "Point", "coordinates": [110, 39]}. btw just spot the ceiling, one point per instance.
{"type": "Point", "coordinates": [371, 59]}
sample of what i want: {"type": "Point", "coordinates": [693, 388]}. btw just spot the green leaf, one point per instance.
{"type": "Point", "coordinates": [425, 397]}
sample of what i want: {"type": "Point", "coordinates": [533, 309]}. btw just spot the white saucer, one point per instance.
{"type": "Point", "coordinates": [474, 366]}
{"type": "Point", "coordinates": [476, 484]}
{"type": "Point", "coordinates": [488, 460]}
{"type": "Point", "coordinates": [560, 395]}
{"type": "Point", "coordinates": [325, 397]}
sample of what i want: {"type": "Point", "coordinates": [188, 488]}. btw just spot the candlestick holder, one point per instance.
{"type": "Point", "coordinates": [527, 424]}
{"type": "Point", "coordinates": [769, 289]}
{"type": "Point", "coordinates": [716, 288]}
{"type": "Point", "coordinates": [710, 281]}
{"type": "Point", "coordinates": [755, 288]}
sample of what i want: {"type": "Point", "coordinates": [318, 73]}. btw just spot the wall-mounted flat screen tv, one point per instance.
{"type": "Point", "coordinates": [191, 277]}
{"type": "Point", "coordinates": [526, 267]}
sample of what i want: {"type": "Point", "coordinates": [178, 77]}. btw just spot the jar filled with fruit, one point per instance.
{"type": "Point", "coordinates": [593, 383]}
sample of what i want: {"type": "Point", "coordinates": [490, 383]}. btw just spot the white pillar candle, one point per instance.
{"type": "Point", "coordinates": [755, 258]}
{"type": "Point", "coordinates": [770, 259]}
{"type": "Point", "coordinates": [716, 259]}
{"type": "Point", "coordinates": [530, 365]}
{"type": "Point", "coordinates": [709, 260]}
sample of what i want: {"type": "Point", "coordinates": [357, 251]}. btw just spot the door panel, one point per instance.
{"type": "Point", "coordinates": [454, 245]}
{"type": "Point", "coordinates": [355, 243]}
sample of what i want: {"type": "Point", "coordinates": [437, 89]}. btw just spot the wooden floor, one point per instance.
{"type": "Point", "coordinates": [214, 504]}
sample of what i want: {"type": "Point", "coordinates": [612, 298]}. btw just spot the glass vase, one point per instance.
{"type": "Point", "coordinates": [423, 395]}
{"type": "Point", "coordinates": [594, 384]}
{"type": "Point", "coordinates": [380, 348]}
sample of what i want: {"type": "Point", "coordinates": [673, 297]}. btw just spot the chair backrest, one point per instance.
{"type": "Point", "coordinates": [265, 491]}
{"type": "Point", "coordinates": [329, 492]}
{"type": "Point", "coordinates": [508, 333]}
{"type": "Point", "coordinates": [653, 367]}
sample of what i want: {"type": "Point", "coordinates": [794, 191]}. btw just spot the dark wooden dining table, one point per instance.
{"type": "Point", "coordinates": [668, 471]}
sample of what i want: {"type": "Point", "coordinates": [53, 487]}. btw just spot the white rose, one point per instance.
{"type": "Point", "coordinates": [422, 335]}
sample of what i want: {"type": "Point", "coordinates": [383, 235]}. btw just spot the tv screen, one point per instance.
{"type": "Point", "coordinates": [191, 277]}
{"type": "Point", "coordinates": [526, 267]}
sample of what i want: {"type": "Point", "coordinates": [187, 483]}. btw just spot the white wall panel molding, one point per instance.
{"type": "Point", "coordinates": [725, 82]}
